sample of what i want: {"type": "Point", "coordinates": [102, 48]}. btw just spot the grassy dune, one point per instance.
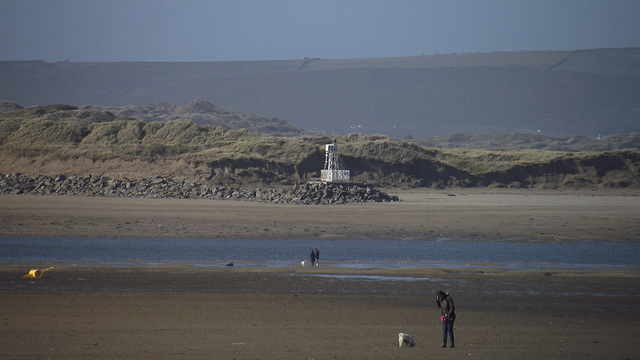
{"type": "Point", "coordinates": [54, 139]}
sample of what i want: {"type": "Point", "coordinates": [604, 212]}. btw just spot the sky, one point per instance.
{"type": "Point", "coordinates": [247, 30]}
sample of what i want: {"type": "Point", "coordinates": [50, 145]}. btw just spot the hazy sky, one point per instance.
{"type": "Point", "coordinates": [210, 30]}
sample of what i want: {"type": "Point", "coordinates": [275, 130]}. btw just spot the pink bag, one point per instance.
{"type": "Point", "coordinates": [443, 319]}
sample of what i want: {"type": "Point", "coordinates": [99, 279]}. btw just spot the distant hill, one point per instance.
{"type": "Point", "coordinates": [558, 93]}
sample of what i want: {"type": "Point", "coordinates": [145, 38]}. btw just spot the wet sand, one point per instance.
{"type": "Point", "coordinates": [328, 312]}
{"type": "Point", "coordinates": [289, 313]}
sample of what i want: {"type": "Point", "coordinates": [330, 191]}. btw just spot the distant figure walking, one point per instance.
{"type": "Point", "coordinates": [317, 252]}
{"type": "Point", "coordinates": [312, 256]}
{"type": "Point", "coordinates": [448, 312]}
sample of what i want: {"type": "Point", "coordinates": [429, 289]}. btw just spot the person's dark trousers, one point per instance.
{"type": "Point", "coordinates": [447, 328]}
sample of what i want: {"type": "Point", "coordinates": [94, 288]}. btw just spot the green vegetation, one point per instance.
{"type": "Point", "coordinates": [66, 133]}
{"type": "Point", "coordinates": [483, 161]}
{"type": "Point", "coordinates": [134, 138]}
{"type": "Point", "coordinates": [203, 112]}
{"type": "Point", "coordinates": [521, 141]}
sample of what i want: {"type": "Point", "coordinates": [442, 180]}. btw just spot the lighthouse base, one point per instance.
{"type": "Point", "coordinates": [335, 176]}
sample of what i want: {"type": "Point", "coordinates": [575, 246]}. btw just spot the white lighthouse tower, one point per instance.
{"type": "Point", "coordinates": [331, 172]}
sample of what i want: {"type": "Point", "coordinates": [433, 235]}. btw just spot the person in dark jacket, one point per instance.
{"type": "Point", "coordinates": [317, 253]}
{"type": "Point", "coordinates": [448, 312]}
{"type": "Point", "coordinates": [312, 257]}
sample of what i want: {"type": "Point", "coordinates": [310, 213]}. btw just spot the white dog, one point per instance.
{"type": "Point", "coordinates": [304, 262]}
{"type": "Point", "coordinates": [405, 340]}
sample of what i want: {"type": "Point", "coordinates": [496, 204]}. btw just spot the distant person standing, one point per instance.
{"type": "Point", "coordinates": [448, 312]}
{"type": "Point", "coordinates": [312, 256]}
{"type": "Point", "coordinates": [317, 254]}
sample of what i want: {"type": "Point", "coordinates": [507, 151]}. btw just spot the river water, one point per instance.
{"type": "Point", "coordinates": [346, 253]}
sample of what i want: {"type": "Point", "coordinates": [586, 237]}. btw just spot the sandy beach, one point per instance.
{"type": "Point", "coordinates": [471, 214]}
{"type": "Point", "coordinates": [327, 312]}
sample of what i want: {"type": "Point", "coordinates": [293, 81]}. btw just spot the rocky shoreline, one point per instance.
{"type": "Point", "coordinates": [168, 188]}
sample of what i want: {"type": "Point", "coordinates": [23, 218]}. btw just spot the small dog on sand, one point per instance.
{"type": "Point", "coordinates": [405, 340]}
